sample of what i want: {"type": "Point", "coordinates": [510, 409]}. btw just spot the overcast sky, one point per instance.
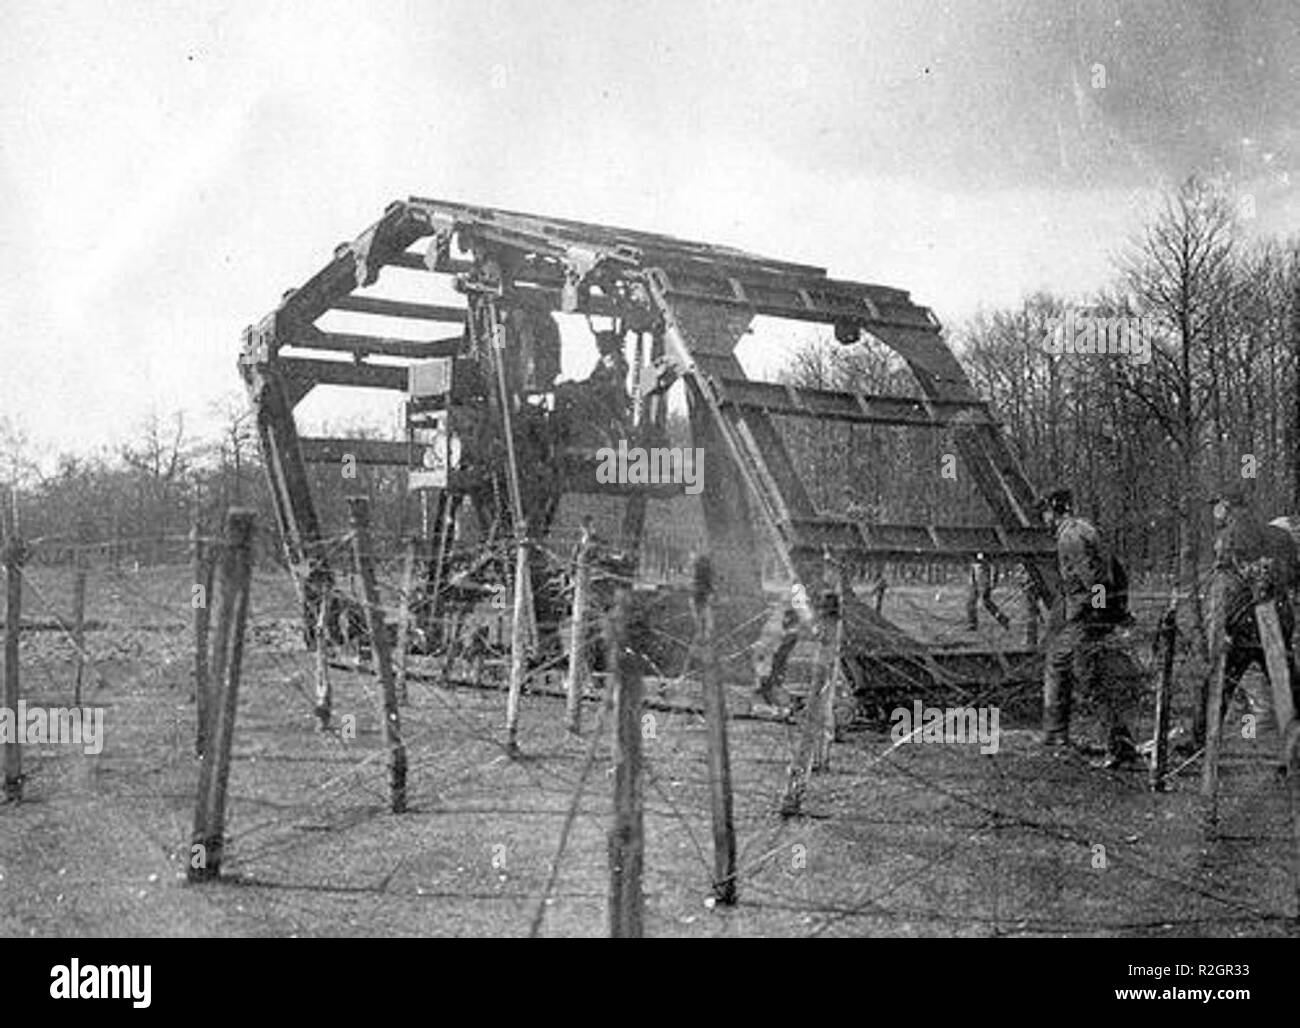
{"type": "Point", "coordinates": [168, 169]}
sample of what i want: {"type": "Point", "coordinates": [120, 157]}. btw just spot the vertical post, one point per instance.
{"type": "Point", "coordinates": [1030, 598]}
{"type": "Point", "coordinates": [626, 838]}
{"type": "Point", "coordinates": [201, 601]}
{"type": "Point", "coordinates": [1279, 667]}
{"type": "Point", "coordinates": [576, 677]}
{"type": "Point", "coordinates": [404, 620]}
{"type": "Point", "coordinates": [828, 664]}
{"type": "Point", "coordinates": [359, 516]}
{"type": "Point", "coordinates": [1291, 746]}
{"type": "Point", "coordinates": [1168, 635]}
{"type": "Point", "coordinates": [715, 715]}
{"type": "Point", "coordinates": [227, 655]}
{"type": "Point", "coordinates": [324, 695]}
{"type": "Point", "coordinates": [13, 754]}
{"type": "Point", "coordinates": [1214, 696]}
{"type": "Point", "coordinates": [79, 625]}
{"type": "Point", "coordinates": [517, 630]}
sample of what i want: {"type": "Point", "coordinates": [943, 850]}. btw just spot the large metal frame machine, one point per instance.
{"type": "Point", "coordinates": [489, 422]}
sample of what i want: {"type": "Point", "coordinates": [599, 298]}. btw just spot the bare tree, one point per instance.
{"type": "Point", "coordinates": [160, 461]}
{"type": "Point", "coordinates": [1180, 271]}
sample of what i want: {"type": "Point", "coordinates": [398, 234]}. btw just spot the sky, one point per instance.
{"type": "Point", "coordinates": [168, 169]}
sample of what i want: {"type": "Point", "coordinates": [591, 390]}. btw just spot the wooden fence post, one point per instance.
{"type": "Point", "coordinates": [626, 836]}
{"type": "Point", "coordinates": [577, 675]}
{"type": "Point", "coordinates": [1278, 664]}
{"type": "Point", "coordinates": [324, 695]}
{"type": "Point", "coordinates": [404, 619]}
{"type": "Point", "coordinates": [715, 714]}
{"type": "Point", "coordinates": [204, 566]}
{"type": "Point", "coordinates": [208, 840]}
{"type": "Point", "coordinates": [1214, 698]}
{"type": "Point", "coordinates": [79, 625]}
{"type": "Point", "coordinates": [359, 515]}
{"type": "Point", "coordinates": [517, 629]}
{"type": "Point", "coordinates": [1291, 744]}
{"type": "Point", "coordinates": [13, 753]}
{"type": "Point", "coordinates": [1168, 636]}
{"type": "Point", "coordinates": [828, 666]}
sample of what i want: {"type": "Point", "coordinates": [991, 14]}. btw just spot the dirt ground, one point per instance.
{"type": "Point", "coordinates": [912, 840]}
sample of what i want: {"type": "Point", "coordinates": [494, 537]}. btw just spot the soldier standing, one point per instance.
{"type": "Point", "coordinates": [1078, 648]}
{"type": "Point", "coordinates": [981, 592]}
{"type": "Point", "coordinates": [1251, 560]}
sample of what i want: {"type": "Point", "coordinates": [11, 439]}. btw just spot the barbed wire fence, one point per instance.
{"type": "Point", "coordinates": [892, 838]}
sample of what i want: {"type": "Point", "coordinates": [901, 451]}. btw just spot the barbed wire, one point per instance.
{"type": "Point", "coordinates": [352, 797]}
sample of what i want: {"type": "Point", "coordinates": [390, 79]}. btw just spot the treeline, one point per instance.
{"type": "Point", "coordinates": [1208, 395]}
{"type": "Point", "coordinates": [138, 503]}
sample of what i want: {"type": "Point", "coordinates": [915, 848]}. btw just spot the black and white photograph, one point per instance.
{"type": "Point", "coordinates": [603, 469]}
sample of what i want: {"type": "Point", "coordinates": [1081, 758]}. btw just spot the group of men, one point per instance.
{"type": "Point", "coordinates": [1252, 562]}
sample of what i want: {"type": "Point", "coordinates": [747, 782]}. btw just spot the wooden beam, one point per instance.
{"type": "Point", "coordinates": [208, 840]}
{"type": "Point", "coordinates": [398, 308]}
{"type": "Point", "coordinates": [378, 452]}
{"type": "Point", "coordinates": [343, 373]}
{"type": "Point", "coordinates": [831, 405]}
{"type": "Point", "coordinates": [364, 345]}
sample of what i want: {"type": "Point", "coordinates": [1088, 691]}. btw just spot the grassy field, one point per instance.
{"type": "Point", "coordinates": [899, 841]}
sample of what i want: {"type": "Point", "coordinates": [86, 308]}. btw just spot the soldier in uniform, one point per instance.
{"type": "Point", "coordinates": [1079, 647]}
{"type": "Point", "coordinates": [1251, 560]}
{"type": "Point", "coordinates": [981, 592]}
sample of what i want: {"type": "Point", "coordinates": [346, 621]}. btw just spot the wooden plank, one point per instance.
{"type": "Point", "coordinates": [1278, 663]}
{"type": "Point", "coordinates": [314, 371]}
{"type": "Point", "coordinates": [377, 452]}
{"type": "Point", "coordinates": [833, 405]}
{"type": "Point", "coordinates": [364, 345]}
{"type": "Point", "coordinates": [398, 308]}
{"type": "Point", "coordinates": [208, 840]}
